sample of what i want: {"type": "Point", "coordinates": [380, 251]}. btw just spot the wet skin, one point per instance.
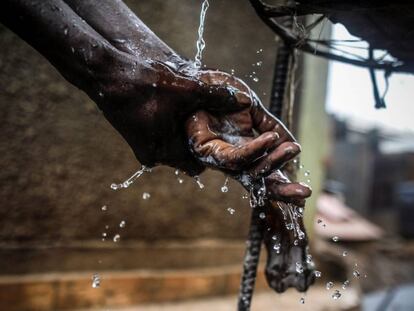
{"type": "Point", "coordinates": [144, 91]}
{"type": "Point", "coordinates": [249, 145]}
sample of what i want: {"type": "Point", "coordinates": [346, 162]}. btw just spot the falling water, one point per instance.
{"type": "Point", "coordinates": [131, 179]}
{"type": "Point", "coordinates": [201, 44]}
{"type": "Point", "coordinates": [96, 280]}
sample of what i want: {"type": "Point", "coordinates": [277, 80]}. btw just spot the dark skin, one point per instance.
{"type": "Point", "coordinates": [147, 91]}
{"type": "Point", "coordinates": [226, 141]}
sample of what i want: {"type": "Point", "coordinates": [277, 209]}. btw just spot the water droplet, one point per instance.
{"type": "Point", "coordinates": [231, 210]}
{"type": "Point", "coordinates": [318, 274]}
{"type": "Point", "coordinates": [259, 51]}
{"type": "Point", "coordinates": [289, 226]}
{"type": "Point", "coordinates": [65, 31]}
{"type": "Point", "coordinates": [329, 285]}
{"type": "Point", "coordinates": [146, 196]}
{"type": "Point", "coordinates": [259, 63]}
{"type": "Point", "coordinates": [255, 79]}
{"type": "Point", "coordinates": [154, 85]}
{"type": "Point", "coordinates": [299, 267]}
{"type": "Point", "coordinates": [180, 180]}
{"type": "Point", "coordinates": [301, 166]}
{"type": "Point", "coordinates": [296, 242]}
{"type": "Point", "coordinates": [198, 181]}
{"type": "Point", "coordinates": [309, 259]}
{"type": "Point", "coordinates": [245, 196]}
{"type": "Point", "coordinates": [295, 161]}
{"type": "Point", "coordinates": [345, 253]}
{"type": "Point", "coordinates": [177, 172]}
{"type": "Point", "coordinates": [276, 247]}
{"type": "Point", "coordinates": [356, 273]}
{"type": "Point", "coordinates": [104, 234]}
{"type": "Point", "coordinates": [262, 215]}
{"type": "Point", "coordinates": [345, 284]}
{"type": "Point", "coordinates": [302, 300]}
{"type": "Point", "coordinates": [274, 238]}
{"type": "Point", "coordinates": [319, 221]}
{"type": "Point", "coordinates": [122, 224]}
{"type": "Point", "coordinates": [336, 295]}
{"type": "Point", "coordinates": [107, 227]}
{"type": "Point", "coordinates": [225, 187]}
{"type": "Point", "coordinates": [104, 208]}
{"type": "Point", "coordinates": [335, 238]}
{"type": "Point", "coordinates": [96, 280]}
{"type": "Point", "coordinates": [307, 173]}
{"type": "Point", "coordinates": [117, 237]}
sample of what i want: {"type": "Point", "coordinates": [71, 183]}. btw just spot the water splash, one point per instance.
{"type": "Point", "coordinates": [201, 44]}
{"type": "Point", "coordinates": [345, 284]}
{"type": "Point", "coordinates": [96, 280]}
{"type": "Point", "coordinates": [356, 273]}
{"type": "Point", "coordinates": [116, 238]}
{"type": "Point", "coordinates": [179, 179]}
{"type": "Point", "coordinates": [299, 267]}
{"type": "Point", "coordinates": [336, 295]}
{"type": "Point", "coordinates": [131, 179]}
{"type": "Point", "coordinates": [198, 181]}
{"type": "Point", "coordinates": [329, 285]}
{"type": "Point", "coordinates": [225, 187]}
{"type": "Point", "coordinates": [231, 210]}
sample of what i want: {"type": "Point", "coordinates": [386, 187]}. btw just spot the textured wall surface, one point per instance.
{"type": "Point", "coordinates": [58, 154]}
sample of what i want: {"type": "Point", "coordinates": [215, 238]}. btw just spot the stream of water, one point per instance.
{"type": "Point", "coordinates": [201, 44]}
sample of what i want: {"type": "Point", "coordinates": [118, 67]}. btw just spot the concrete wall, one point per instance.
{"type": "Point", "coordinates": [58, 155]}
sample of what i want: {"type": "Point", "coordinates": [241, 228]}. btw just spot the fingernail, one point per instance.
{"type": "Point", "coordinates": [299, 190]}
{"type": "Point", "coordinates": [289, 149]}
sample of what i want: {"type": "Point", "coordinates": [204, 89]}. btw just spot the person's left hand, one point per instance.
{"type": "Point", "coordinates": [247, 144]}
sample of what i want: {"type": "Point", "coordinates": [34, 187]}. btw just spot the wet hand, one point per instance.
{"type": "Point", "coordinates": [247, 144]}
{"type": "Point", "coordinates": [149, 102]}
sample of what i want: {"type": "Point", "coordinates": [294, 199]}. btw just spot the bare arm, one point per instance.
{"type": "Point", "coordinates": [105, 50]}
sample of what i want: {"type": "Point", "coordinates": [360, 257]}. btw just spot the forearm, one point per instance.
{"type": "Point", "coordinates": [122, 28]}
{"type": "Point", "coordinates": [52, 28]}
{"type": "Point", "coordinates": [86, 56]}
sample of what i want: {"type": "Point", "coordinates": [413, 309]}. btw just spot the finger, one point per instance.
{"type": "Point", "coordinates": [264, 121]}
{"type": "Point", "coordinates": [275, 159]}
{"type": "Point", "coordinates": [226, 155]}
{"type": "Point", "coordinates": [295, 193]}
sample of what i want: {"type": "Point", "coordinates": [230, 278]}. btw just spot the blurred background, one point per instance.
{"type": "Point", "coordinates": [69, 242]}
